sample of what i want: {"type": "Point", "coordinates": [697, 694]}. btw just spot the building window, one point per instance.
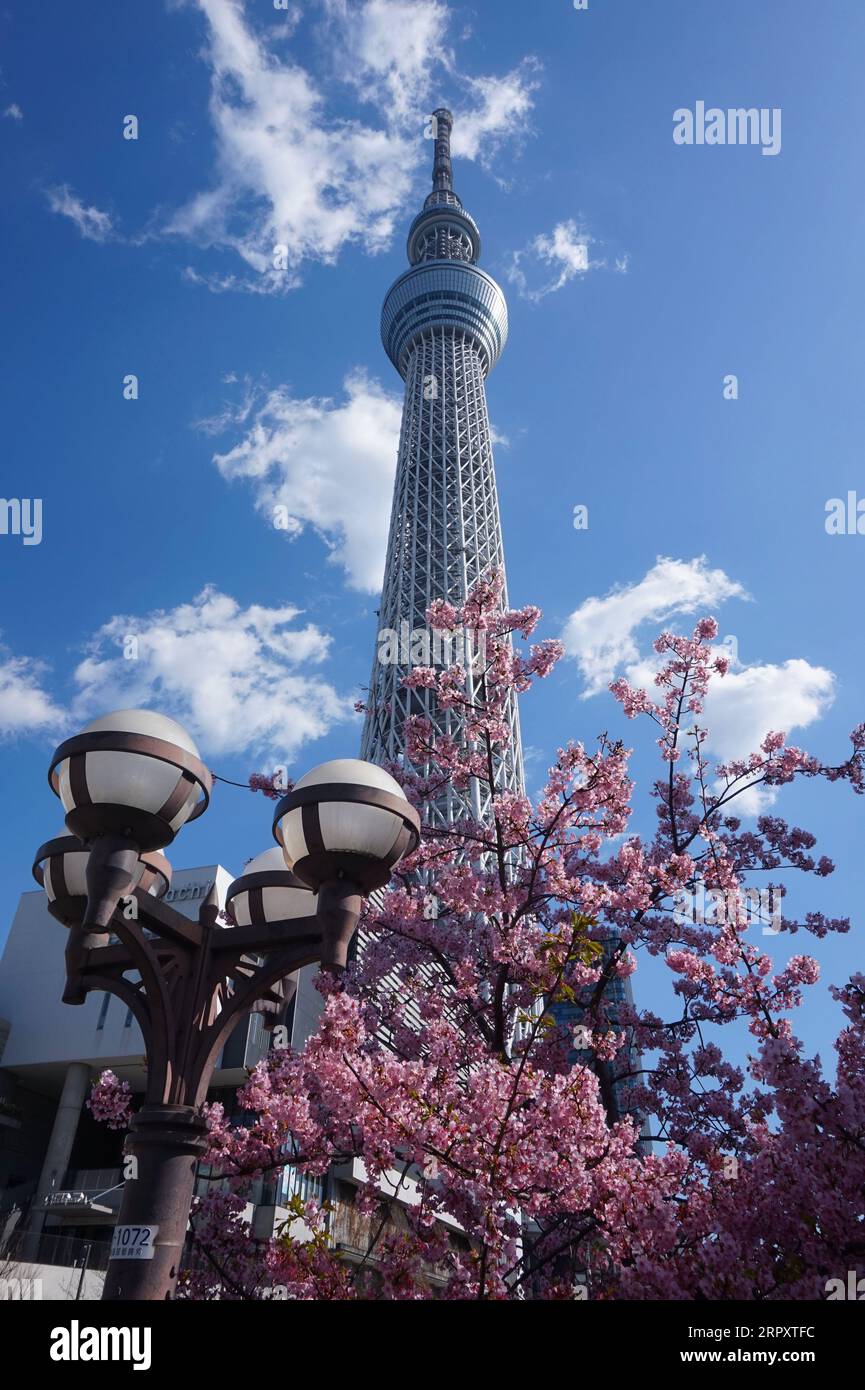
{"type": "Point", "coordinates": [106, 1000]}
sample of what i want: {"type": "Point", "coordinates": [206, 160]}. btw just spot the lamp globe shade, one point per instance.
{"type": "Point", "coordinates": [60, 867]}
{"type": "Point", "coordinates": [346, 819]}
{"type": "Point", "coordinates": [133, 773]}
{"type": "Point", "coordinates": [267, 891]}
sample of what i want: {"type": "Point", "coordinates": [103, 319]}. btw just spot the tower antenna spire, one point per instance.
{"type": "Point", "coordinates": [442, 171]}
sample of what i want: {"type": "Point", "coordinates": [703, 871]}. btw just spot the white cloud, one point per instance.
{"type": "Point", "coordinates": [741, 707]}
{"type": "Point", "coordinates": [601, 635]}
{"type": "Point", "coordinates": [747, 703]}
{"type": "Point", "coordinates": [559, 256]}
{"type": "Point", "coordinates": [288, 175]}
{"type": "Point", "coordinates": [237, 678]}
{"type": "Point", "coordinates": [271, 282]}
{"type": "Point", "coordinates": [395, 53]}
{"type": "Point", "coordinates": [293, 175]}
{"type": "Point", "coordinates": [497, 115]}
{"type": "Point", "coordinates": [287, 21]}
{"type": "Point", "coordinates": [565, 251]}
{"type": "Point", "coordinates": [387, 50]}
{"type": "Point", "coordinates": [14, 112]}
{"type": "Point", "coordinates": [232, 413]}
{"type": "Point", "coordinates": [25, 706]}
{"type": "Point", "coordinates": [296, 180]}
{"type": "Point", "coordinates": [330, 466]}
{"type": "Point", "coordinates": [93, 224]}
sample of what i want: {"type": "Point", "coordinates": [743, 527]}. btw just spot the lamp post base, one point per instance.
{"type": "Point", "coordinates": [167, 1142]}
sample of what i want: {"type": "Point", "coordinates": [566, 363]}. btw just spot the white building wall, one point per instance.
{"type": "Point", "coordinates": [44, 1030]}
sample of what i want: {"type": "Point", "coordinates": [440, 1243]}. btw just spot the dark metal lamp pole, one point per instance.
{"type": "Point", "coordinates": [127, 784]}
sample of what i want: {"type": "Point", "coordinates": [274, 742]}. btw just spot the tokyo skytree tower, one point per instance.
{"type": "Point", "coordinates": [444, 325]}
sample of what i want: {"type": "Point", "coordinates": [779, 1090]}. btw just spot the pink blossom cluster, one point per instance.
{"type": "Point", "coordinates": [110, 1101]}
{"type": "Point", "coordinates": [445, 1056]}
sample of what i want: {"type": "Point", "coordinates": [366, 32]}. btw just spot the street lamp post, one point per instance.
{"type": "Point", "coordinates": [128, 783]}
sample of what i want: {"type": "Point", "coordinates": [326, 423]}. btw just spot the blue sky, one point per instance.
{"type": "Point", "coordinates": [305, 126]}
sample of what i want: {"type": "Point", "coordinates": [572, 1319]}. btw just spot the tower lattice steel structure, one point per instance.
{"type": "Point", "coordinates": [444, 325]}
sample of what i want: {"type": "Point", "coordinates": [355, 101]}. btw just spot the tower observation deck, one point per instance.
{"type": "Point", "coordinates": [444, 325]}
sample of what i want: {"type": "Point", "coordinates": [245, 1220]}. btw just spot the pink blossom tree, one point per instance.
{"type": "Point", "coordinates": [499, 1162]}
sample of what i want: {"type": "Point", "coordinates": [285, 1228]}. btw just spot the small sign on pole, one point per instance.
{"type": "Point", "coordinates": [133, 1242]}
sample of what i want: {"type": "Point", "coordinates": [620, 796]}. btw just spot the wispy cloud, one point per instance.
{"type": "Point", "coordinates": [25, 704]}
{"type": "Point", "coordinates": [398, 55]}
{"type": "Point", "coordinates": [296, 180]}
{"type": "Point", "coordinates": [496, 115]}
{"type": "Point", "coordinates": [14, 112]}
{"type": "Point", "coordinates": [558, 256]}
{"type": "Point", "coordinates": [552, 260]}
{"type": "Point", "coordinates": [294, 183]}
{"type": "Point", "coordinates": [388, 50]}
{"type": "Point", "coordinates": [326, 464]}
{"type": "Point", "coordinates": [287, 174]}
{"type": "Point", "coordinates": [93, 224]}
